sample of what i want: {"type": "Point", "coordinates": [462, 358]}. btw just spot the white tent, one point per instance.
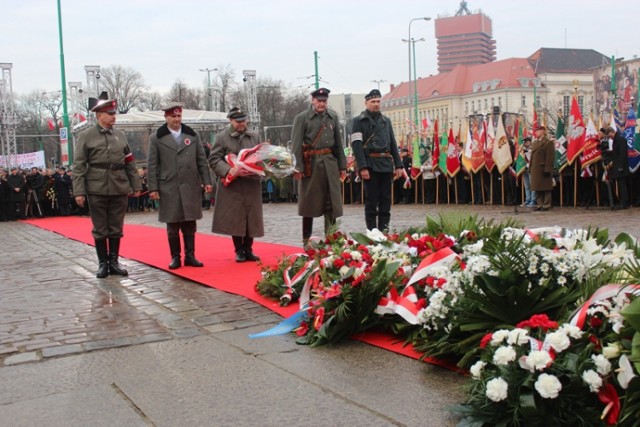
{"type": "Point", "coordinates": [151, 120]}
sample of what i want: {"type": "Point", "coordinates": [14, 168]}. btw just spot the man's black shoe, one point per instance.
{"type": "Point", "coordinates": [240, 256]}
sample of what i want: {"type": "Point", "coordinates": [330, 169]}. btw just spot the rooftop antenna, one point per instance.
{"type": "Point", "coordinates": [463, 9]}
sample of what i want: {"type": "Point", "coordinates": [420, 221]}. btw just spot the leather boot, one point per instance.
{"type": "Point", "coordinates": [103, 258]}
{"type": "Point", "coordinates": [238, 246]}
{"type": "Point", "coordinates": [190, 250]}
{"type": "Point", "coordinates": [248, 251]}
{"type": "Point", "coordinates": [114, 253]}
{"type": "Point", "coordinates": [174, 248]}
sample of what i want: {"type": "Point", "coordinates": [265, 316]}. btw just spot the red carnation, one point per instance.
{"type": "Point", "coordinates": [338, 263]}
{"type": "Point", "coordinates": [486, 340]}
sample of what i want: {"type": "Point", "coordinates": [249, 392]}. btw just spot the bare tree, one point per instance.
{"type": "Point", "coordinates": [151, 101]}
{"type": "Point", "coordinates": [124, 84]}
{"type": "Point", "coordinates": [193, 99]}
{"type": "Point", "coordinates": [39, 113]}
{"type": "Point", "coordinates": [227, 76]}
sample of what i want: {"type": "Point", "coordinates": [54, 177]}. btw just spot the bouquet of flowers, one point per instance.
{"type": "Point", "coordinates": [543, 373]}
{"type": "Point", "coordinates": [261, 160]}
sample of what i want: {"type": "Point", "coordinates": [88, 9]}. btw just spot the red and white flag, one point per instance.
{"type": "Point", "coordinates": [501, 148]}
{"type": "Point", "coordinates": [576, 134]}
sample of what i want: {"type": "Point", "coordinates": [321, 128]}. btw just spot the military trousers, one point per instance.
{"type": "Point", "coordinates": [377, 203]}
{"type": "Point", "coordinates": [188, 228]}
{"type": "Point", "coordinates": [107, 215]}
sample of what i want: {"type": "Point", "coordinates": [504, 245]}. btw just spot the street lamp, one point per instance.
{"type": "Point", "coordinates": [209, 94]}
{"type": "Point", "coordinates": [415, 77]}
{"type": "Point", "coordinates": [378, 82]}
{"type": "Point", "coordinates": [425, 18]}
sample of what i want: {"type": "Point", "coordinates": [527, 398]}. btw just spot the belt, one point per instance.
{"type": "Point", "coordinates": [110, 166]}
{"type": "Point", "coordinates": [380, 155]}
{"type": "Point", "coordinates": [319, 152]}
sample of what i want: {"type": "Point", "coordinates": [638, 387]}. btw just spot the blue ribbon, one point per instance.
{"type": "Point", "coordinates": [284, 327]}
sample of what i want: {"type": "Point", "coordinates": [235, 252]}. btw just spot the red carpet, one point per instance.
{"type": "Point", "coordinates": [149, 245]}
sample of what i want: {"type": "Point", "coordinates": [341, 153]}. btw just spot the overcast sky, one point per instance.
{"type": "Point", "coordinates": [357, 41]}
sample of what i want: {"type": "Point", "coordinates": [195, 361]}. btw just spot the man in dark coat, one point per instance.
{"type": "Point", "coordinates": [320, 163]}
{"type": "Point", "coordinates": [238, 208]}
{"type": "Point", "coordinates": [104, 173]}
{"type": "Point", "coordinates": [176, 171]}
{"type": "Point", "coordinates": [36, 182]}
{"type": "Point", "coordinates": [5, 193]}
{"type": "Point", "coordinates": [62, 186]}
{"type": "Point", "coordinates": [17, 194]}
{"type": "Point", "coordinates": [541, 166]}
{"type": "Point", "coordinates": [619, 169]}
{"type": "Point", "coordinates": [378, 161]}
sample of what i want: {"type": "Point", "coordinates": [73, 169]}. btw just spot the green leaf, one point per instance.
{"type": "Point", "coordinates": [631, 314]}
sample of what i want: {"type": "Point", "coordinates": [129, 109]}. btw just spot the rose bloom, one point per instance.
{"type": "Point", "coordinates": [548, 386]}
{"type": "Point", "coordinates": [558, 341]}
{"type": "Point", "coordinates": [504, 355]}
{"type": "Point", "coordinates": [611, 351]}
{"type": "Point", "coordinates": [497, 389]}
{"type": "Point", "coordinates": [592, 378]}
{"type": "Point", "coordinates": [476, 369]}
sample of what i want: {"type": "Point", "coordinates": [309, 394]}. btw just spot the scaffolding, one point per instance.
{"type": "Point", "coordinates": [8, 117]}
{"type": "Point", "coordinates": [251, 98]}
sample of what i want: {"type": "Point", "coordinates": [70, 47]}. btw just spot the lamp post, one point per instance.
{"type": "Point", "coordinates": [425, 18]}
{"type": "Point", "coordinates": [378, 82]}
{"type": "Point", "coordinates": [209, 94]}
{"type": "Point", "coordinates": [64, 135]}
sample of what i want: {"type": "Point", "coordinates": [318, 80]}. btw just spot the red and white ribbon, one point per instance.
{"type": "Point", "coordinates": [404, 305]}
{"type": "Point", "coordinates": [443, 257]}
{"type": "Point", "coordinates": [603, 293]}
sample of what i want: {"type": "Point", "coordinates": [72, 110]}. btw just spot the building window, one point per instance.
{"type": "Point", "coordinates": [499, 101]}
{"type": "Point", "coordinates": [523, 103]}
{"type": "Point", "coordinates": [473, 105]}
{"type": "Point", "coordinates": [581, 104]}
{"type": "Point", "coordinates": [493, 102]}
{"type": "Point", "coordinates": [486, 104]}
{"type": "Point", "coordinates": [566, 105]}
{"type": "Point", "coordinates": [466, 107]}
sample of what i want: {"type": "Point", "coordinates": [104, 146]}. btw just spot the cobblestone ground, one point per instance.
{"type": "Point", "coordinates": [51, 304]}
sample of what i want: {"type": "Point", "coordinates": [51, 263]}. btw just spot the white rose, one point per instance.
{"type": "Point", "coordinates": [548, 386]}
{"type": "Point", "coordinates": [504, 355]}
{"type": "Point", "coordinates": [592, 378]}
{"type": "Point", "coordinates": [497, 389]}
{"type": "Point", "coordinates": [476, 369]}
{"type": "Point", "coordinates": [499, 336]}
{"type": "Point", "coordinates": [603, 366]}
{"type": "Point", "coordinates": [611, 351]}
{"type": "Point", "coordinates": [558, 341]}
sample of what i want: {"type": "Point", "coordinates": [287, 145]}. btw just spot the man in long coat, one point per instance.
{"type": "Point", "coordinates": [320, 163]}
{"type": "Point", "coordinates": [238, 208]}
{"type": "Point", "coordinates": [541, 166]}
{"type": "Point", "coordinates": [176, 171]}
{"type": "Point", "coordinates": [17, 194]}
{"type": "Point", "coordinates": [104, 174]}
{"type": "Point", "coordinates": [619, 169]}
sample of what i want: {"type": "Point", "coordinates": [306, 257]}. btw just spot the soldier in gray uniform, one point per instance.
{"type": "Point", "coordinates": [238, 208]}
{"type": "Point", "coordinates": [320, 163]}
{"type": "Point", "coordinates": [378, 161]}
{"type": "Point", "coordinates": [104, 174]}
{"type": "Point", "coordinates": [177, 170]}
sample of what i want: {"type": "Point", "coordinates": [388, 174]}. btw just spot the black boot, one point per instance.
{"type": "Point", "coordinates": [190, 250]}
{"type": "Point", "coordinates": [103, 258]}
{"type": "Point", "coordinates": [238, 246]}
{"type": "Point", "coordinates": [174, 247]}
{"type": "Point", "coordinates": [114, 253]}
{"type": "Point", "coordinates": [248, 251]}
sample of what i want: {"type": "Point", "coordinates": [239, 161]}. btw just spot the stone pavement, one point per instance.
{"type": "Point", "coordinates": [155, 349]}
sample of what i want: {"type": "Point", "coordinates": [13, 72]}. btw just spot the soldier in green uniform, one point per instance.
{"type": "Point", "coordinates": [320, 163]}
{"type": "Point", "coordinates": [542, 161]}
{"type": "Point", "coordinates": [378, 161]}
{"type": "Point", "coordinates": [104, 174]}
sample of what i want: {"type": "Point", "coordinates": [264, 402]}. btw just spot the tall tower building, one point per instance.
{"type": "Point", "coordinates": [465, 38]}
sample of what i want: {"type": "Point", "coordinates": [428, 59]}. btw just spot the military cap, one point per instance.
{"type": "Point", "coordinates": [375, 93]}
{"type": "Point", "coordinates": [103, 104]}
{"type": "Point", "coordinates": [237, 114]}
{"type": "Point", "coordinates": [603, 130]}
{"type": "Point", "coordinates": [173, 108]}
{"type": "Point", "coordinates": [321, 94]}
{"type": "Point", "coordinates": [526, 138]}
{"type": "Point", "coordinates": [610, 129]}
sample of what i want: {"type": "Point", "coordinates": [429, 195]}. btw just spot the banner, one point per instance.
{"type": "Point", "coordinates": [501, 148]}
{"type": "Point", "coordinates": [591, 152]}
{"type": "Point", "coordinates": [476, 144]}
{"type": "Point", "coordinates": [576, 132]}
{"type": "Point", "coordinates": [489, 138]}
{"type": "Point", "coordinates": [630, 134]}
{"type": "Point", "coordinates": [453, 155]}
{"type": "Point", "coordinates": [560, 146]}
{"type": "Point", "coordinates": [27, 160]}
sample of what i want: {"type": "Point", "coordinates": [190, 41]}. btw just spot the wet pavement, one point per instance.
{"type": "Point", "coordinates": [155, 349]}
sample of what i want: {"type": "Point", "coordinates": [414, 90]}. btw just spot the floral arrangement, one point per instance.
{"type": "Point", "coordinates": [50, 195]}
{"type": "Point", "coordinates": [543, 373]}
{"type": "Point", "coordinates": [263, 159]}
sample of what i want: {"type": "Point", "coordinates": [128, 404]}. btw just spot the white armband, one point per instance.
{"type": "Point", "coordinates": [356, 136]}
